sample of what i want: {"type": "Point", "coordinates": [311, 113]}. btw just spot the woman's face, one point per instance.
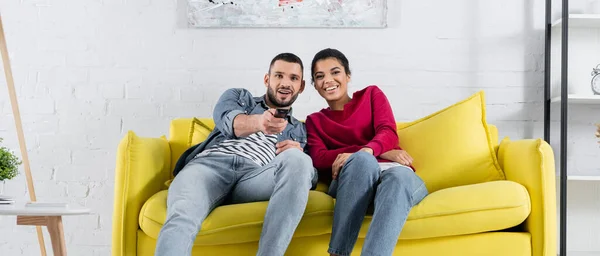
{"type": "Point", "coordinates": [331, 80]}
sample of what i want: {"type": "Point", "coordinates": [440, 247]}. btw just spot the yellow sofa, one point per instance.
{"type": "Point", "coordinates": [516, 216]}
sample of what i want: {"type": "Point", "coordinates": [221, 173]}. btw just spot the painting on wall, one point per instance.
{"type": "Point", "coordinates": [287, 13]}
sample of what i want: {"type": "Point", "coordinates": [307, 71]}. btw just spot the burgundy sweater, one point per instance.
{"type": "Point", "coordinates": [366, 121]}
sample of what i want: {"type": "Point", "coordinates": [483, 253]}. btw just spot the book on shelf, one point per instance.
{"type": "Point", "coordinates": [6, 200]}
{"type": "Point", "coordinates": [46, 205]}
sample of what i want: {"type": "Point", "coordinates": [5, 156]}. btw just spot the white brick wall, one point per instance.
{"type": "Point", "coordinates": [88, 71]}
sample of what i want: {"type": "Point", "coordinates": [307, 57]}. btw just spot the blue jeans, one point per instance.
{"type": "Point", "coordinates": [394, 192]}
{"type": "Point", "coordinates": [205, 182]}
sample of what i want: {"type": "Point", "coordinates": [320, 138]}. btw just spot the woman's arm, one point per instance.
{"type": "Point", "coordinates": [384, 123]}
{"type": "Point", "coordinates": [322, 157]}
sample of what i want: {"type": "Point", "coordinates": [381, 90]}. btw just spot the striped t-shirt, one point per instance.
{"type": "Point", "coordinates": [257, 147]}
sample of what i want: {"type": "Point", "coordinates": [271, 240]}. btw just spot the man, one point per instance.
{"type": "Point", "coordinates": [251, 155]}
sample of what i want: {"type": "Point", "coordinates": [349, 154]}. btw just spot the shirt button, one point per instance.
{"type": "Point", "coordinates": [243, 103]}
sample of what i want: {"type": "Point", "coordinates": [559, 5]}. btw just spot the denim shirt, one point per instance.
{"type": "Point", "coordinates": [232, 103]}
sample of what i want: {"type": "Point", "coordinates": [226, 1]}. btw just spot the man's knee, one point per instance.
{"type": "Point", "coordinates": [296, 158]}
{"type": "Point", "coordinates": [297, 163]}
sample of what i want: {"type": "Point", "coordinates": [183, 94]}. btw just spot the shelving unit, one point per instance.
{"type": "Point", "coordinates": [579, 99]}
{"type": "Point", "coordinates": [580, 21]}
{"type": "Point", "coordinates": [560, 28]}
{"type": "Point", "coordinates": [582, 177]}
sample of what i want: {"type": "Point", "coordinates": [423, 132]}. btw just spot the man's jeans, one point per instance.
{"type": "Point", "coordinates": [395, 192]}
{"type": "Point", "coordinates": [206, 181]}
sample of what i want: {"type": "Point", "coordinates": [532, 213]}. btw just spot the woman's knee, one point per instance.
{"type": "Point", "coordinates": [402, 175]}
{"type": "Point", "coordinates": [362, 160]}
{"type": "Point", "coordinates": [406, 178]}
{"type": "Point", "coordinates": [362, 157]}
{"type": "Point", "coordinates": [361, 165]}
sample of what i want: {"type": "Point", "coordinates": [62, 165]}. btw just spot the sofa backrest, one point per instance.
{"type": "Point", "coordinates": [185, 132]}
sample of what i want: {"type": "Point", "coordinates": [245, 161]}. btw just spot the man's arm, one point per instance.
{"type": "Point", "coordinates": [228, 108]}
{"type": "Point", "coordinates": [244, 125]}
{"type": "Point", "coordinates": [232, 119]}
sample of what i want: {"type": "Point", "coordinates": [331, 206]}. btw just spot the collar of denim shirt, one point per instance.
{"type": "Point", "coordinates": [261, 100]}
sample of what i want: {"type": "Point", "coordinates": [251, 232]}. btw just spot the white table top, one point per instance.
{"type": "Point", "coordinates": [20, 209]}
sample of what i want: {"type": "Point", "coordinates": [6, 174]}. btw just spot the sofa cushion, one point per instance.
{"type": "Point", "coordinates": [469, 209]}
{"type": "Point", "coordinates": [239, 223]}
{"type": "Point", "coordinates": [199, 130]}
{"type": "Point", "coordinates": [453, 146]}
{"type": "Point", "coordinates": [461, 210]}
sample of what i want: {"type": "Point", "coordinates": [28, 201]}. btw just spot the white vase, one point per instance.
{"type": "Point", "coordinates": [2, 187]}
{"type": "Point", "coordinates": [593, 7]}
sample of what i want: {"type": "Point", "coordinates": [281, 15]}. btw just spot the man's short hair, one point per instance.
{"type": "Point", "coordinates": [287, 57]}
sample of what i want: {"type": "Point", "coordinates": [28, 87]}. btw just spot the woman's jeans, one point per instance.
{"type": "Point", "coordinates": [394, 192]}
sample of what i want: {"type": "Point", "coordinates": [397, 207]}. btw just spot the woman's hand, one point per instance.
{"type": "Point", "coordinates": [338, 164]}
{"type": "Point", "coordinates": [398, 156]}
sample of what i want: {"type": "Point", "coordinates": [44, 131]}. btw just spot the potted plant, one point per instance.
{"type": "Point", "coordinates": [9, 166]}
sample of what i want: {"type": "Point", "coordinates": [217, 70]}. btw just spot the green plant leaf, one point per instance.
{"type": "Point", "coordinates": [9, 164]}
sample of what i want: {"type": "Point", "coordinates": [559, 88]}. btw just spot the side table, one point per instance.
{"type": "Point", "coordinates": [49, 216]}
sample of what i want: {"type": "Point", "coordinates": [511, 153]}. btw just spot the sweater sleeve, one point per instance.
{"type": "Point", "coordinates": [384, 123]}
{"type": "Point", "coordinates": [322, 157]}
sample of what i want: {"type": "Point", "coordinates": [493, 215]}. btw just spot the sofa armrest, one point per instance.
{"type": "Point", "coordinates": [531, 163]}
{"type": "Point", "coordinates": [143, 165]}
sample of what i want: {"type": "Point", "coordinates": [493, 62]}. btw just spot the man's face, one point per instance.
{"type": "Point", "coordinates": [284, 83]}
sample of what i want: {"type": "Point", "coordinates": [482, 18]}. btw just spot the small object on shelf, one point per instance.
{"type": "Point", "coordinates": [6, 200]}
{"type": "Point", "coordinates": [46, 205]}
{"type": "Point", "coordinates": [596, 80]}
{"type": "Point", "coordinates": [593, 7]}
{"type": "Point", "coordinates": [598, 131]}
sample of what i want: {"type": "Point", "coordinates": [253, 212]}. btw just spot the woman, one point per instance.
{"type": "Point", "coordinates": [354, 142]}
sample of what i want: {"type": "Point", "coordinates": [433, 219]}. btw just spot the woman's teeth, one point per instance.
{"type": "Point", "coordinates": [331, 88]}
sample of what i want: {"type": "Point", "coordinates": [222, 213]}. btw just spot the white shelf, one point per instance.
{"type": "Point", "coordinates": [588, 178]}
{"type": "Point", "coordinates": [581, 177]}
{"type": "Point", "coordinates": [580, 21]}
{"type": "Point", "coordinates": [580, 99]}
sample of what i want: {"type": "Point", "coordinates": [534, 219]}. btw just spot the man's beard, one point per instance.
{"type": "Point", "coordinates": [276, 102]}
